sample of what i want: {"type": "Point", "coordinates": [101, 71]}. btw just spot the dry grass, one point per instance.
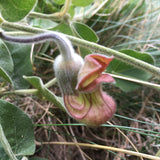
{"type": "Point", "coordinates": [53, 125]}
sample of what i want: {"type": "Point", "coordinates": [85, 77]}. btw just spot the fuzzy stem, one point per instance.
{"type": "Point", "coordinates": [63, 43]}
{"type": "Point", "coordinates": [118, 55]}
{"type": "Point", "coordinates": [95, 47]}
{"type": "Point", "coordinates": [6, 145]}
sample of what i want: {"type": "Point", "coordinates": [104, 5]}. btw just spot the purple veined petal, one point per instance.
{"type": "Point", "coordinates": [77, 105]}
{"type": "Point", "coordinates": [102, 109]}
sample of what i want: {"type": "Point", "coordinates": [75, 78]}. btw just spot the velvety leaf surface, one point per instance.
{"type": "Point", "coordinates": [43, 23]}
{"type": "Point", "coordinates": [22, 66]}
{"type": "Point", "coordinates": [84, 31]}
{"type": "Point", "coordinates": [15, 10]}
{"type": "Point", "coordinates": [63, 28]}
{"type": "Point", "coordinates": [4, 75]}
{"type": "Point", "coordinates": [6, 60]}
{"type": "Point", "coordinates": [18, 129]}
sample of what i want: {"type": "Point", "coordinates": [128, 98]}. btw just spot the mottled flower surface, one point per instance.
{"type": "Point", "coordinates": [90, 104]}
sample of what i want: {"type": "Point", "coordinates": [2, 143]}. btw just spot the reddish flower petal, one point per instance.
{"type": "Point", "coordinates": [94, 65]}
{"type": "Point", "coordinates": [93, 108]}
{"type": "Point", "coordinates": [102, 78]}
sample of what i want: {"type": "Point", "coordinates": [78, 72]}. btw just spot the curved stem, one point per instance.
{"type": "Point", "coordinates": [95, 47]}
{"type": "Point", "coordinates": [63, 43]}
{"type": "Point", "coordinates": [66, 8]}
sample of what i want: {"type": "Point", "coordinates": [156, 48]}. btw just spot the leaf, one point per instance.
{"type": "Point", "coordinates": [43, 23]}
{"type": "Point", "coordinates": [84, 32]}
{"type": "Point", "coordinates": [6, 62]}
{"type": "Point", "coordinates": [22, 66]}
{"type": "Point", "coordinates": [121, 68]}
{"type": "Point", "coordinates": [15, 10]}
{"type": "Point", "coordinates": [5, 76]}
{"type": "Point", "coordinates": [3, 155]}
{"type": "Point", "coordinates": [63, 28]}
{"type": "Point", "coordinates": [45, 92]}
{"type": "Point", "coordinates": [18, 129]}
{"type": "Point", "coordinates": [82, 3]}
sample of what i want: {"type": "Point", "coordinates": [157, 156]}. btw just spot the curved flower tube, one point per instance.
{"type": "Point", "coordinates": [89, 104]}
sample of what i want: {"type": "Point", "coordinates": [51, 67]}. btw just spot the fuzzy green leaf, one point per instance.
{"type": "Point", "coordinates": [85, 32]}
{"type": "Point", "coordinates": [15, 10]}
{"type": "Point", "coordinates": [22, 66]}
{"type": "Point", "coordinates": [5, 76]}
{"type": "Point", "coordinates": [18, 129]}
{"type": "Point", "coordinates": [43, 23]}
{"type": "Point", "coordinates": [6, 63]}
{"type": "Point", "coordinates": [63, 28]}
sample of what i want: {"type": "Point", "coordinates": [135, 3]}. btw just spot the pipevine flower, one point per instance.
{"type": "Point", "coordinates": [81, 86]}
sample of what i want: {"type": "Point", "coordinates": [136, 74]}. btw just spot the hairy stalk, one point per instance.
{"type": "Point", "coordinates": [95, 47]}
{"type": "Point", "coordinates": [63, 43]}
{"type": "Point", "coordinates": [6, 145]}
{"type": "Point", "coordinates": [118, 55]}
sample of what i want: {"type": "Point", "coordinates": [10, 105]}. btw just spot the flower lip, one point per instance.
{"type": "Point", "coordinates": [93, 109]}
{"type": "Point", "coordinates": [90, 74]}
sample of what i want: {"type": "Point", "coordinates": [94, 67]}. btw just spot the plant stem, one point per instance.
{"type": "Point", "coordinates": [103, 147]}
{"type": "Point", "coordinates": [50, 83]}
{"type": "Point", "coordinates": [52, 17]}
{"type": "Point", "coordinates": [118, 55]}
{"type": "Point", "coordinates": [30, 91]}
{"type": "Point", "coordinates": [6, 145]}
{"type": "Point", "coordinates": [66, 7]}
{"type": "Point", "coordinates": [58, 16]}
{"type": "Point", "coordinates": [95, 47]}
{"type": "Point", "coordinates": [64, 45]}
{"type": "Point", "coordinates": [148, 84]}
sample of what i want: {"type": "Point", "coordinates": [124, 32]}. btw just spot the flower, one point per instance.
{"type": "Point", "coordinates": [90, 104]}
